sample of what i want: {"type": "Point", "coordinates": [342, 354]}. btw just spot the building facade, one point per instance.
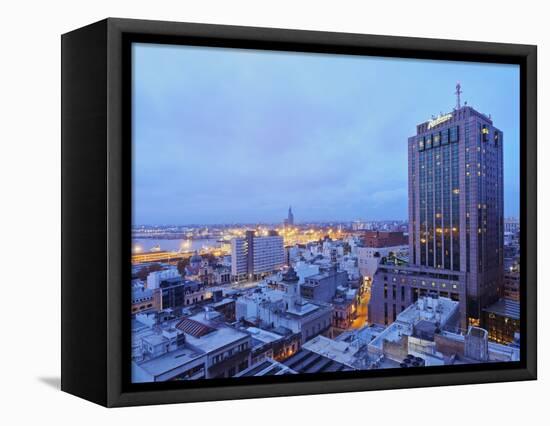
{"type": "Point", "coordinates": [322, 287]}
{"type": "Point", "coordinates": [456, 223]}
{"type": "Point", "coordinates": [145, 300]}
{"type": "Point", "coordinates": [255, 256]}
{"type": "Point", "coordinates": [368, 258]}
{"type": "Point", "coordinates": [379, 239]}
{"type": "Point", "coordinates": [501, 320]}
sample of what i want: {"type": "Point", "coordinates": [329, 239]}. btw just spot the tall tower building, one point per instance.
{"type": "Point", "coordinates": [456, 218]}
{"type": "Point", "coordinates": [290, 219]}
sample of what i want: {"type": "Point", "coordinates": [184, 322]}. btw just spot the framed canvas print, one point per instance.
{"type": "Point", "coordinates": [254, 212]}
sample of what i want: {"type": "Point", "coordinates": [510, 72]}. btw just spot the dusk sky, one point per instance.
{"type": "Point", "coordinates": [236, 136]}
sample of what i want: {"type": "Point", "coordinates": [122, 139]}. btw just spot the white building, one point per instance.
{"type": "Point", "coordinates": [239, 257]}
{"type": "Point", "coordinates": [196, 347]}
{"type": "Point", "coordinates": [253, 255]}
{"type": "Point", "coordinates": [270, 308]}
{"type": "Point", "coordinates": [368, 258]}
{"type": "Point", "coordinates": [428, 330]}
{"type": "Point", "coordinates": [155, 278]}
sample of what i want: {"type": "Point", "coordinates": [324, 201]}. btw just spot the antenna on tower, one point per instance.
{"type": "Point", "coordinates": [457, 93]}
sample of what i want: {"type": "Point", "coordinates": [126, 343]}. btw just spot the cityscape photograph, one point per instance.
{"type": "Point", "coordinates": [298, 213]}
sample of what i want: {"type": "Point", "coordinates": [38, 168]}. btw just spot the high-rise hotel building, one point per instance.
{"type": "Point", "coordinates": [456, 220]}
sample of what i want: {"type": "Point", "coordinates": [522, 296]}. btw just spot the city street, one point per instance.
{"type": "Point", "coordinates": [362, 312]}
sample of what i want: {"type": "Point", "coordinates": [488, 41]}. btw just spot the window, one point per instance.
{"type": "Point", "coordinates": [485, 133]}
{"type": "Point", "coordinates": [445, 137]}
{"type": "Point", "coordinates": [428, 142]}
{"type": "Point", "coordinates": [436, 139]}
{"type": "Point", "coordinates": [453, 134]}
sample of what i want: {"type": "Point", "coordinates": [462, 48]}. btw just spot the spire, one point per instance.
{"type": "Point", "coordinates": [457, 93]}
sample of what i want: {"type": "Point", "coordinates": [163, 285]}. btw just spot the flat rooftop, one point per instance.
{"type": "Point", "coordinates": [339, 351]}
{"type": "Point", "coordinates": [263, 336]}
{"type": "Point", "coordinates": [430, 309]}
{"type": "Point", "coordinates": [169, 361]}
{"type": "Point", "coordinates": [425, 309]}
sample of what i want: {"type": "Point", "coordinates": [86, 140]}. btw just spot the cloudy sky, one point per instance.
{"type": "Point", "coordinates": [236, 136]}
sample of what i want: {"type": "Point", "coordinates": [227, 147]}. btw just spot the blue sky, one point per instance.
{"type": "Point", "coordinates": [236, 136]}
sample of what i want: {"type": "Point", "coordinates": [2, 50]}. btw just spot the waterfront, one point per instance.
{"type": "Point", "coordinates": [146, 244]}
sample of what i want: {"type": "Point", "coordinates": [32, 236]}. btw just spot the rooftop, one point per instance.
{"type": "Point", "coordinates": [168, 361]}
{"type": "Point", "coordinates": [505, 307]}
{"type": "Point", "coordinates": [306, 361]}
{"type": "Point", "coordinates": [194, 328]}
{"type": "Point", "coordinates": [269, 367]}
{"type": "Point", "coordinates": [426, 310]}
{"type": "Point", "coordinates": [339, 351]}
{"type": "Point", "coordinates": [221, 335]}
{"type": "Point", "coordinates": [263, 336]}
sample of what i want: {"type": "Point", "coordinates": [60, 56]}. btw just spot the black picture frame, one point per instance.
{"type": "Point", "coordinates": [96, 209]}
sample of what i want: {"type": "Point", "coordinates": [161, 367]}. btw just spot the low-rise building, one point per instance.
{"type": "Point", "coordinates": [200, 346]}
{"type": "Point", "coordinates": [414, 327]}
{"type": "Point", "coordinates": [426, 334]}
{"type": "Point", "coordinates": [226, 307]}
{"type": "Point", "coordinates": [270, 308]}
{"type": "Point", "coordinates": [179, 292]}
{"type": "Point", "coordinates": [345, 307]}
{"type": "Point", "coordinates": [144, 299]}
{"type": "Point", "coordinates": [322, 287]}
{"type": "Point", "coordinates": [395, 287]}
{"type": "Point", "coordinates": [368, 258]}
{"type": "Point", "coordinates": [278, 344]}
